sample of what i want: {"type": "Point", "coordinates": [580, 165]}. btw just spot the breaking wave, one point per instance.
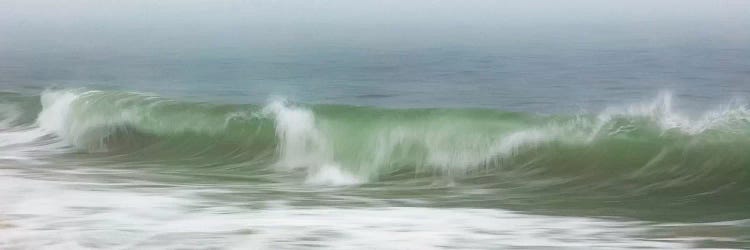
{"type": "Point", "coordinates": [636, 149]}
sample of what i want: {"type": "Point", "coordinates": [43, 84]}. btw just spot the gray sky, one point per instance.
{"type": "Point", "coordinates": [180, 26]}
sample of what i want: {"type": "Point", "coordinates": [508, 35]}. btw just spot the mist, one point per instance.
{"type": "Point", "coordinates": [84, 27]}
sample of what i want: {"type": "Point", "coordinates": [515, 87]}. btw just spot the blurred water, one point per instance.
{"type": "Point", "coordinates": [569, 60]}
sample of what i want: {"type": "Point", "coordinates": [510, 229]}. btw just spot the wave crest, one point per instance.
{"type": "Point", "coordinates": [648, 145]}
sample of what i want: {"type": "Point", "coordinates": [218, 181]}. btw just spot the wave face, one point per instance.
{"type": "Point", "coordinates": [636, 150]}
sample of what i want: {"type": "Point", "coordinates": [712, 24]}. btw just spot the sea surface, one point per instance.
{"type": "Point", "coordinates": [592, 136]}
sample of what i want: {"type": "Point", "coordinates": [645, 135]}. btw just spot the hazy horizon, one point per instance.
{"type": "Point", "coordinates": [164, 28]}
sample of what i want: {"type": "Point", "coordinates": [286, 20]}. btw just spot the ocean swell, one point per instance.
{"type": "Point", "coordinates": [637, 149]}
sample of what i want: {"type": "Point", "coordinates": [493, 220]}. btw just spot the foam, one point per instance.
{"type": "Point", "coordinates": [332, 175]}
{"type": "Point", "coordinates": [46, 214]}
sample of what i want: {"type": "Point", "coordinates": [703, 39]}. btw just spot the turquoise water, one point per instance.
{"type": "Point", "coordinates": [375, 125]}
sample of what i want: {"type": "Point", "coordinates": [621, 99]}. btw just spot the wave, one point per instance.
{"type": "Point", "coordinates": [636, 149]}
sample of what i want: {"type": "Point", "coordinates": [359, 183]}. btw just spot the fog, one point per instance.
{"type": "Point", "coordinates": [88, 27]}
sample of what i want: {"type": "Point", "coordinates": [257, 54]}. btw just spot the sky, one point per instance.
{"type": "Point", "coordinates": [200, 26]}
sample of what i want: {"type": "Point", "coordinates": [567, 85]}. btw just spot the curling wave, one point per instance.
{"type": "Point", "coordinates": [638, 149]}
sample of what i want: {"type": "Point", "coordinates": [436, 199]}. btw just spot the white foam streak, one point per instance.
{"type": "Point", "coordinates": [303, 146]}
{"type": "Point", "coordinates": [301, 143]}
{"type": "Point", "coordinates": [11, 135]}
{"type": "Point", "coordinates": [461, 156]}
{"type": "Point", "coordinates": [58, 117]}
{"type": "Point", "coordinates": [18, 142]}
{"type": "Point", "coordinates": [661, 111]}
{"type": "Point", "coordinates": [71, 117]}
{"type": "Point", "coordinates": [56, 111]}
{"type": "Point", "coordinates": [332, 175]}
{"type": "Point", "coordinates": [55, 215]}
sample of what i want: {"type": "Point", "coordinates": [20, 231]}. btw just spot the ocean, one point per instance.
{"type": "Point", "coordinates": [613, 130]}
